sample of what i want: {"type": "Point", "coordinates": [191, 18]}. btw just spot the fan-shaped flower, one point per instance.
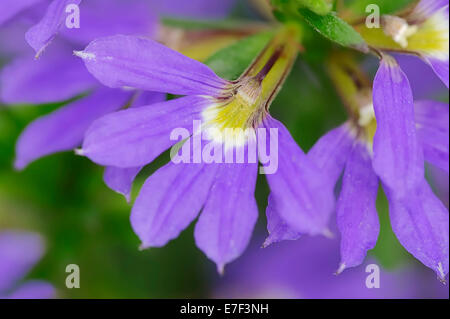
{"type": "Point", "coordinates": [173, 196]}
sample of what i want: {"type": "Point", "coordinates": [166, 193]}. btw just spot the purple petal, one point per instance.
{"type": "Point", "coordinates": [121, 179]}
{"type": "Point", "coordinates": [432, 120]}
{"type": "Point", "coordinates": [64, 129]}
{"type": "Point", "coordinates": [34, 290]}
{"type": "Point", "coordinates": [330, 153]}
{"type": "Point", "coordinates": [230, 213]}
{"type": "Point", "coordinates": [100, 18]}
{"type": "Point", "coordinates": [420, 222]}
{"type": "Point", "coordinates": [53, 78]}
{"type": "Point", "coordinates": [40, 35]}
{"type": "Point", "coordinates": [398, 158]}
{"type": "Point", "coordinates": [170, 200]}
{"type": "Point", "coordinates": [148, 98]}
{"type": "Point", "coordinates": [278, 229]}
{"type": "Point", "coordinates": [424, 83]}
{"type": "Point", "coordinates": [441, 184]}
{"type": "Point", "coordinates": [145, 64]}
{"type": "Point", "coordinates": [440, 67]}
{"type": "Point", "coordinates": [427, 8]}
{"type": "Point", "coordinates": [10, 8]}
{"type": "Point", "coordinates": [135, 137]}
{"type": "Point", "coordinates": [357, 216]}
{"type": "Point", "coordinates": [211, 9]}
{"type": "Point", "coordinates": [304, 199]}
{"type": "Point", "coordinates": [19, 252]}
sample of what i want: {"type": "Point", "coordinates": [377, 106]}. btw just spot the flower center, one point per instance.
{"type": "Point", "coordinates": [239, 110]}
{"type": "Point", "coordinates": [232, 120]}
{"type": "Point", "coordinates": [398, 29]}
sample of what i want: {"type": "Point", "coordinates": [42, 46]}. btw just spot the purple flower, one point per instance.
{"type": "Point", "coordinates": [58, 76]}
{"type": "Point", "coordinates": [19, 252]}
{"type": "Point", "coordinates": [173, 196]}
{"type": "Point", "coordinates": [387, 141]}
{"type": "Point", "coordinates": [423, 32]}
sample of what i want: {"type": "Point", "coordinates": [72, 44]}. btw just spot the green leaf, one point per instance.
{"type": "Point", "coordinates": [188, 24]}
{"type": "Point", "coordinates": [232, 61]}
{"type": "Point", "coordinates": [335, 29]}
{"type": "Point", "coordinates": [321, 7]}
{"type": "Point", "coordinates": [386, 6]}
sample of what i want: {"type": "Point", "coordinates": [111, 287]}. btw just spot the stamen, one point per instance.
{"type": "Point", "coordinates": [398, 29]}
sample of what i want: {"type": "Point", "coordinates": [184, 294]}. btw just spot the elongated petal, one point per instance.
{"type": "Point", "coordinates": [10, 8]}
{"type": "Point", "coordinates": [121, 179]}
{"type": "Point", "coordinates": [170, 200]}
{"type": "Point", "coordinates": [40, 35]}
{"type": "Point", "coordinates": [432, 121]}
{"type": "Point", "coordinates": [227, 220]}
{"type": "Point", "coordinates": [304, 198]}
{"type": "Point", "coordinates": [102, 18]}
{"type": "Point", "coordinates": [357, 216]}
{"type": "Point", "coordinates": [54, 77]}
{"type": "Point", "coordinates": [141, 63]}
{"type": "Point", "coordinates": [19, 252]}
{"type": "Point", "coordinates": [64, 129]}
{"type": "Point", "coordinates": [35, 289]}
{"type": "Point", "coordinates": [331, 152]}
{"type": "Point", "coordinates": [136, 136]}
{"type": "Point", "coordinates": [398, 158]}
{"type": "Point", "coordinates": [278, 229]}
{"type": "Point", "coordinates": [420, 222]}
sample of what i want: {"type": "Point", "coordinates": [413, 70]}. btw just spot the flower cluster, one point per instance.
{"type": "Point", "coordinates": [125, 123]}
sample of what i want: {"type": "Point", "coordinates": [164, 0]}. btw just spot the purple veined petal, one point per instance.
{"type": "Point", "coordinates": [40, 35]}
{"type": "Point", "coordinates": [277, 227]}
{"type": "Point", "coordinates": [330, 153]}
{"type": "Point", "coordinates": [19, 252]}
{"type": "Point", "coordinates": [10, 8]}
{"type": "Point", "coordinates": [420, 222]}
{"type": "Point", "coordinates": [398, 157]}
{"type": "Point", "coordinates": [427, 8]}
{"type": "Point", "coordinates": [210, 9]}
{"type": "Point", "coordinates": [127, 61]}
{"type": "Point", "coordinates": [432, 121]}
{"type": "Point", "coordinates": [136, 136]}
{"type": "Point", "coordinates": [170, 200]}
{"type": "Point", "coordinates": [34, 289]}
{"type": "Point", "coordinates": [304, 198]}
{"type": "Point", "coordinates": [440, 67]}
{"type": "Point", "coordinates": [121, 179]}
{"type": "Point", "coordinates": [54, 77]}
{"type": "Point", "coordinates": [64, 129]}
{"type": "Point", "coordinates": [357, 216]}
{"type": "Point", "coordinates": [102, 18]}
{"type": "Point", "coordinates": [226, 223]}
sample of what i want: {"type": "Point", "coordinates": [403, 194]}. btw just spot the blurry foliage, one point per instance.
{"type": "Point", "coordinates": [63, 196]}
